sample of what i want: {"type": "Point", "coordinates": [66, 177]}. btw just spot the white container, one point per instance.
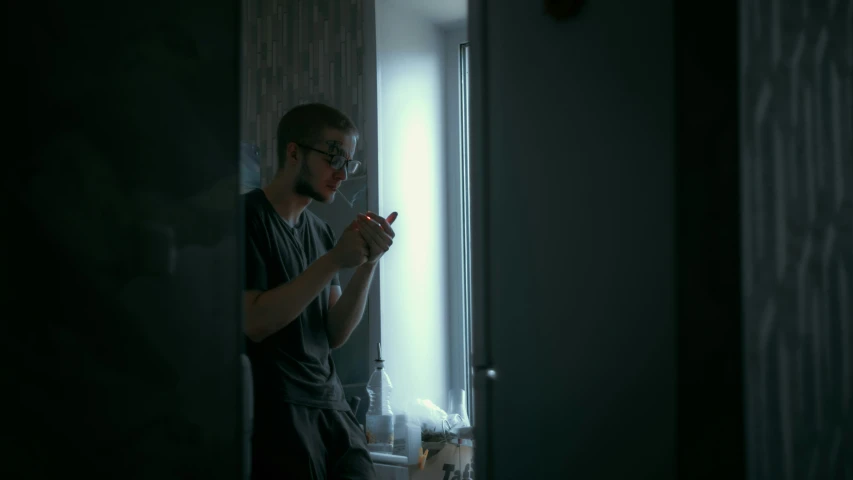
{"type": "Point", "coordinates": [407, 438]}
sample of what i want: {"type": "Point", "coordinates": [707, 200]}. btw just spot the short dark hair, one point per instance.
{"type": "Point", "coordinates": [306, 123]}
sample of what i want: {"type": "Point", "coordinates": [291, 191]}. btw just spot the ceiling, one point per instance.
{"type": "Point", "coordinates": [440, 12]}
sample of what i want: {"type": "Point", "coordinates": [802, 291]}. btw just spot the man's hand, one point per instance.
{"type": "Point", "coordinates": [377, 233]}
{"type": "Point", "coordinates": [351, 249]}
{"type": "Point", "coordinates": [374, 235]}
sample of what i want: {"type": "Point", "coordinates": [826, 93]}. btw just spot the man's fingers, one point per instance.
{"type": "Point", "coordinates": [383, 222]}
{"type": "Point", "coordinates": [373, 233]}
{"type": "Point", "coordinates": [367, 231]}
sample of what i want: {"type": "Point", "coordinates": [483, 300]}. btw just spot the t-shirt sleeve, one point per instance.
{"type": "Point", "coordinates": [256, 270]}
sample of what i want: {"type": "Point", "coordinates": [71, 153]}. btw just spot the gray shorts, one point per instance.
{"type": "Point", "coordinates": [298, 442]}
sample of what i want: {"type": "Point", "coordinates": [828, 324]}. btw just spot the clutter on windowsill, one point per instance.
{"type": "Point", "coordinates": [439, 428]}
{"type": "Point", "coordinates": [451, 452]}
{"type": "Point", "coordinates": [424, 437]}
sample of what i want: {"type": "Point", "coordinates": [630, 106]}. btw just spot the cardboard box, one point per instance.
{"type": "Point", "coordinates": [452, 462]}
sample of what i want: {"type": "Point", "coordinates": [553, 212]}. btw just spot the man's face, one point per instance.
{"type": "Point", "coordinates": [317, 179]}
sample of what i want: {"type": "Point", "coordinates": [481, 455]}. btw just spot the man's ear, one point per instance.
{"type": "Point", "coordinates": [292, 155]}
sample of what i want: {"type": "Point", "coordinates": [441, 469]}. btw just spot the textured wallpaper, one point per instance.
{"type": "Point", "coordinates": [797, 191]}
{"type": "Point", "coordinates": [294, 52]}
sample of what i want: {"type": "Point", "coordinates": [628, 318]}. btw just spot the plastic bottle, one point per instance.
{"type": "Point", "coordinates": [380, 418]}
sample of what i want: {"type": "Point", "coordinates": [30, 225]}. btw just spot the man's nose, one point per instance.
{"type": "Point", "coordinates": [341, 174]}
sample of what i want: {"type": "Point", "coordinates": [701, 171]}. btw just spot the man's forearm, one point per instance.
{"type": "Point", "coordinates": [347, 312]}
{"type": "Point", "coordinates": [270, 311]}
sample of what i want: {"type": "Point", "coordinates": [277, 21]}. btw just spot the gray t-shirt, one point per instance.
{"type": "Point", "coordinates": [293, 365]}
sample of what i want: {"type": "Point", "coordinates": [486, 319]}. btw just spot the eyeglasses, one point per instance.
{"type": "Point", "coordinates": [337, 161]}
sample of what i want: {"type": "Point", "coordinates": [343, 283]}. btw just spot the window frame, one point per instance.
{"type": "Point", "coordinates": [459, 228]}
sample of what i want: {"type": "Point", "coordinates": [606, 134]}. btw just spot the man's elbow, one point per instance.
{"type": "Point", "coordinates": [252, 328]}
{"type": "Point", "coordinates": [337, 341]}
{"type": "Point", "coordinates": [254, 334]}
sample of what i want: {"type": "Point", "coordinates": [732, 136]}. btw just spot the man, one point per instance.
{"type": "Point", "coordinates": [295, 312]}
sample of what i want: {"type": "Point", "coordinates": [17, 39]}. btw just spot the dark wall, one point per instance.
{"type": "Point", "coordinates": [122, 243]}
{"type": "Point", "coordinates": [797, 206]}
{"type": "Point", "coordinates": [710, 384]}
{"type": "Point", "coordinates": [296, 51]}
